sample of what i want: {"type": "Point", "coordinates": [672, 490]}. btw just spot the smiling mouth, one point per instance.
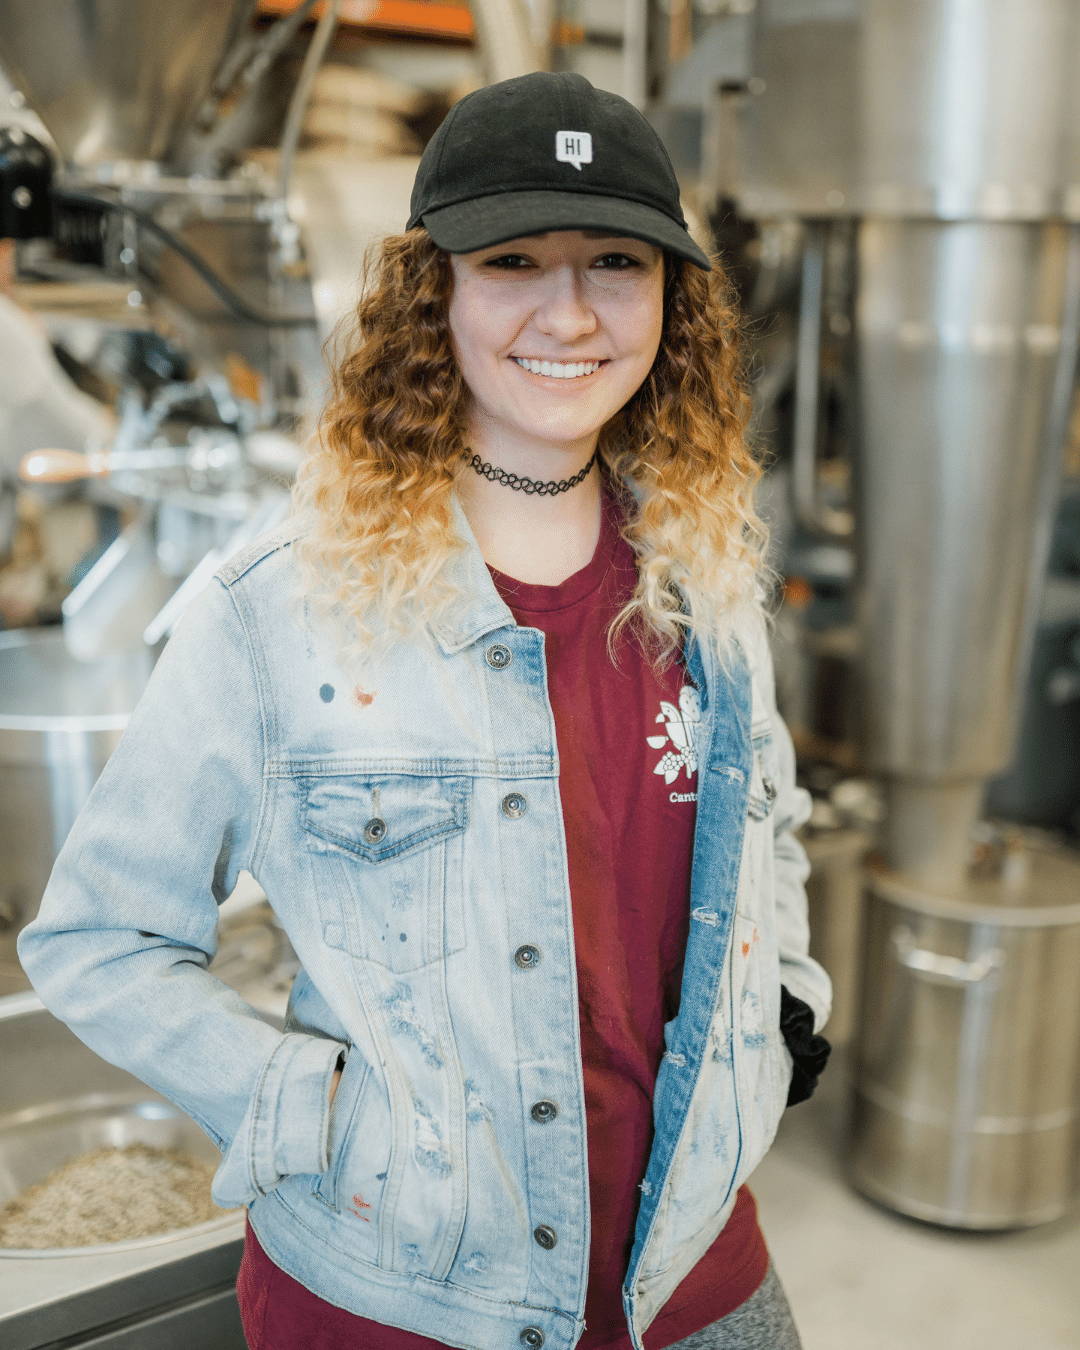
{"type": "Point", "coordinates": [559, 370]}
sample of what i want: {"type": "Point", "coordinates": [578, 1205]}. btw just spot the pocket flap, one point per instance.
{"type": "Point", "coordinates": [379, 818]}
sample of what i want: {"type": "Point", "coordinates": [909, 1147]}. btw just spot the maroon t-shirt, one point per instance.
{"type": "Point", "coordinates": [628, 783]}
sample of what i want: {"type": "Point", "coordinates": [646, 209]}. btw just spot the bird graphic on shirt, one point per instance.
{"type": "Point", "coordinates": [681, 725]}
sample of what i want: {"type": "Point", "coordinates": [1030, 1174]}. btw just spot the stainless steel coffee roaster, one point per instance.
{"type": "Point", "coordinates": [169, 262]}
{"type": "Point", "coordinates": [147, 237]}
{"type": "Point", "coordinates": [898, 188]}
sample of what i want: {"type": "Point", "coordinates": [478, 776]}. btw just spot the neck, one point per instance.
{"type": "Point", "coordinates": [533, 537]}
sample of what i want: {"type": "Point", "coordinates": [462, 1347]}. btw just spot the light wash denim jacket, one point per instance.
{"type": "Point", "coordinates": [413, 848]}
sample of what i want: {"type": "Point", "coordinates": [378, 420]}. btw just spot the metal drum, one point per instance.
{"type": "Point", "coordinates": [966, 1104]}
{"type": "Point", "coordinates": [59, 721]}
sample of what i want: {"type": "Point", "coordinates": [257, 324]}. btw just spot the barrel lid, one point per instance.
{"type": "Point", "coordinates": [1019, 876]}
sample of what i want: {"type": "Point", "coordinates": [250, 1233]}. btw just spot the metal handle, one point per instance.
{"type": "Point", "coordinates": [65, 466]}
{"type": "Point", "coordinates": [943, 969]}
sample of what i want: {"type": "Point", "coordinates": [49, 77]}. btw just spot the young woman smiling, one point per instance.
{"type": "Point", "coordinates": [553, 333]}
{"type": "Point", "coordinates": [493, 722]}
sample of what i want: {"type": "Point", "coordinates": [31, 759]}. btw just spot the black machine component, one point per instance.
{"type": "Point", "coordinates": [26, 172]}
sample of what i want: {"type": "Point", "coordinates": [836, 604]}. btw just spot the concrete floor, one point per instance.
{"type": "Point", "coordinates": [862, 1278]}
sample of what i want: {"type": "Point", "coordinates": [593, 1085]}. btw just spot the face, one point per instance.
{"type": "Point", "coordinates": [589, 302]}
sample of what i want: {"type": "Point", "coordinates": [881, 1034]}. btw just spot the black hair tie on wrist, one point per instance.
{"type": "Point", "coordinates": [809, 1051]}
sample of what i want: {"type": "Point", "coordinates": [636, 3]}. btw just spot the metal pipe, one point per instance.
{"type": "Point", "coordinates": [294, 119]}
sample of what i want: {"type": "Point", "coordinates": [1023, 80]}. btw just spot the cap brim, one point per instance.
{"type": "Point", "coordinates": [482, 221]}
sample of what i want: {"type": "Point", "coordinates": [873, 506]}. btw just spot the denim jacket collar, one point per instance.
{"type": "Point", "coordinates": [484, 609]}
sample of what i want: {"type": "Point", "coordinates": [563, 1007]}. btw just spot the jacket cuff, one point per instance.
{"type": "Point", "coordinates": [285, 1130]}
{"type": "Point", "coordinates": [809, 1052]}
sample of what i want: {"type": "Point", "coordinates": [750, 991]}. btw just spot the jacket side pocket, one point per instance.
{"type": "Point", "coordinates": [760, 1062]}
{"type": "Point", "coordinates": [344, 1111]}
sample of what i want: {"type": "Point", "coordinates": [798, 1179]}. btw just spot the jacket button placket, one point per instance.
{"type": "Point", "coordinates": [545, 1017]}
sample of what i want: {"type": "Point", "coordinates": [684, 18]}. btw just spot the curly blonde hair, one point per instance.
{"type": "Point", "coordinates": [374, 494]}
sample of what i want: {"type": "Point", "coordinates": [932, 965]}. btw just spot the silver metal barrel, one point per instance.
{"type": "Point", "coordinates": [966, 1109]}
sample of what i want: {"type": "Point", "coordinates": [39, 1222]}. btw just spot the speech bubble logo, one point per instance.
{"type": "Point", "coordinates": [573, 147]}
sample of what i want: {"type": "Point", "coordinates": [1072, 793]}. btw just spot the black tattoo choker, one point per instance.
{"type": "Point", "coordinates": [530, 485]}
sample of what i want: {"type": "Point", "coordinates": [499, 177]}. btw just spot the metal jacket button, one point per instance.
{"type": "Point", "coordinates": [544, 1111]}
{"type": "Point", "coordinates": [374, 830]}
{"type": "Point", "coordinates": [533, 1337]}
{"type": "Point", "coordinates": [545, 1236]}
{"type": "Point", "coordinates": [513, 804]}
{"type": "Point", "coordinates": [498, 656]}
{"type": "Point", "coordinates": [527, 956]}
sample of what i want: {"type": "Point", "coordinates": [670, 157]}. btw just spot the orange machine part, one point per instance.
{"type": "Point", "coordinates": [397, 16]}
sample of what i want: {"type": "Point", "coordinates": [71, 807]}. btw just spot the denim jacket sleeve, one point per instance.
{"type": "Point", "coordinates": [128, 923]}
{"type": "Point", "coordinates": [803, 976]}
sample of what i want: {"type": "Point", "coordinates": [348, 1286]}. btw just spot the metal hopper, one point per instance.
{"type": "Point", "coordinates": [114, 80]}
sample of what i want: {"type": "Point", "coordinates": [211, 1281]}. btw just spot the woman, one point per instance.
{"type": "Point", "coordinates": [535, 853]}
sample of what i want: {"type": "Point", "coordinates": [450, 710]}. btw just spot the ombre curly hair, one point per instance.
{"type": "Point", "coordinates": [373, 496]}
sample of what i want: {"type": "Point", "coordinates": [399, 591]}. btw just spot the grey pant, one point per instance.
{"type": "Point", "coordinates": [763, 1322]}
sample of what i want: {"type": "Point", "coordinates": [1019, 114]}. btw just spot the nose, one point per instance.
{"type": "Point", "coordinates": [564, 312]}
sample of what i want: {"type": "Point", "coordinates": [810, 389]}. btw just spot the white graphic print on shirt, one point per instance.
{"type": "Point", "coordinates": [681, 725]}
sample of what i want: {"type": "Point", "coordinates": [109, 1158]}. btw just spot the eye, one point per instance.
{"type": "Point", "coordinates": [624, 261]}
{"type": "Point", "coordinates": [506, 262]}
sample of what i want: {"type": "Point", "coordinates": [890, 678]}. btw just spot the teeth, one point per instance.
{"type": "Point", "coordinates": [570, 371]}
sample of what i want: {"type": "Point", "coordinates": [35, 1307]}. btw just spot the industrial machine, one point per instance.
{"type": "Point", "coordinates": [171, 265]}
{"type": "Point", "coordinates": [899, 189]}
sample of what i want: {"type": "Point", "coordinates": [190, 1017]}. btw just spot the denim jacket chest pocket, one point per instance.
{"type": "Point", "coordinates": [386, 851]}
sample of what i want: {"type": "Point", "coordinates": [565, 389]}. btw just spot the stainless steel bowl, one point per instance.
{"type": "Point", "coordinates": [58, 1099]}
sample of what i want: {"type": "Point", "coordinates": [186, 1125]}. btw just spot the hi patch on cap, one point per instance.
{"type": "Point", "coordinates": [573, 147]}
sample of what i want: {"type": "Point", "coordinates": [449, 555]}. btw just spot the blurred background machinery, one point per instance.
{"type": "Point", "coordinates": [900, 188]}
{"type": "Point", "coordinates": [185, 193]}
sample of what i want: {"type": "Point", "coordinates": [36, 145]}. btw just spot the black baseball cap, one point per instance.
{"type": "Point", "coordinates": [547, 151]}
